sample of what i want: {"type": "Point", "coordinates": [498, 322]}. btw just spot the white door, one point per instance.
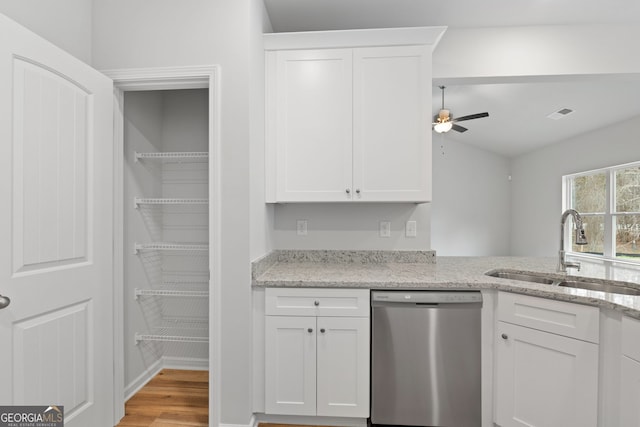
{"type": "Point", "coordinates": [392, 123]}
{"type": "Point", "coordinates": [290, 365]}
{"type": "Point", "coordinates": [343, 366]}
{"type": "Point", "coordinates": [56, 166]}
{"type": "Point", "coordinates": [313, 125]}
{"type": "Point", "coordinates": [629, 392]}
{"type": "Point", "coordinates": [544, 379]}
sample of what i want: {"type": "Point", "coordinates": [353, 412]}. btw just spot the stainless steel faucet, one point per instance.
{"type": "Point", "coordinates": [581, 239]}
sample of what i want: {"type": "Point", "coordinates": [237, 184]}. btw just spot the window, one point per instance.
{"type": "Point", "coordinates": [609, 202]}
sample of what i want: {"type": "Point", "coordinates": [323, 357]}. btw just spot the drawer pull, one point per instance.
{"type": "Point", "coordinates": [505, 336]}
{"type": "Point", "coordinates": [316, 303]}
{"type": "Point", "coordinates": [310, 330]}
{"type": "Point", "coordinates": [322, 331]}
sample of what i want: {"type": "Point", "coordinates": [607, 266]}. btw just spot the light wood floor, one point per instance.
{"type": "Point", "coordinates": [172, 398]}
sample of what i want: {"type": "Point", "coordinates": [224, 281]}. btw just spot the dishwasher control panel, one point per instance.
{"type": "Point", "coordinates": [427, 297]}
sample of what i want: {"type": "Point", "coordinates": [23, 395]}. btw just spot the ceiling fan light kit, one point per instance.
{"type": "Point", "coordinates": [443, 127]}
{"type": "Point", "coordinates": [444, 122]}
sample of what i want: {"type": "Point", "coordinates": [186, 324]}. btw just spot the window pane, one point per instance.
{"type": "Point", "coordinates": [594, 229]}
{"type": "Point", "coordinates": [628, 237]}
{"type": "Point", "coordinates": [589, 193]}
{"type": "Point", "coordinates": [628, 190]}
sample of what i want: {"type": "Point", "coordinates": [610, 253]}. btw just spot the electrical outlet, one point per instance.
{"type": "Point", "coordinates": [385, 228]}
{"type": "Point", "coordinates": [301, 227]}
{"type": "Point", "coordinates": [411, 229]}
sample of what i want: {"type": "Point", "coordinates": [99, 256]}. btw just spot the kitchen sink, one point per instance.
{"type": "Point", "coordinates": [613, 288]}
{"type": "Point", "coordinates": [522, 277]}
{"type": "Point", "coordinates": [602, 287]}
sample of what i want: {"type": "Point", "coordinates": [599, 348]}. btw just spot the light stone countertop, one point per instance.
{"type": "Point", "coordinates": [291, 269]}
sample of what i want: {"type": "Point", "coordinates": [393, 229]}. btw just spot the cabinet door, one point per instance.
{"type": "Point", "coordinates": [543, 379]}
{"type": "Point", "coordinates": [630, 393]}
{"type": "Point", "coordinates": [290, 365]}
{"type": "Point", "coordinates": [313, 131]}
{"type": "Point", "coordinates": [343, 366]}
{"type": "Point", "coordinates": [392, 123]}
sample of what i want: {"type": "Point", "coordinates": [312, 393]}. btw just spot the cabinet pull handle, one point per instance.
{"type": "Point", "coordinates": [310, 330]}
{"type": "Point", "coordinates": [357, 191]}
{"type": "Point", "coordinates": [316, 303]}
{"type": "Point", "coordinates": [348, 191]}
{"type": "Point", "coordinates": [322, 331]}
{"type": "Point", "coordinates": [505, 336]}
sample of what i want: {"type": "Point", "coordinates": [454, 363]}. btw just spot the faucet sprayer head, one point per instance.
{"type": "Point", "coordinates": [581, 238]}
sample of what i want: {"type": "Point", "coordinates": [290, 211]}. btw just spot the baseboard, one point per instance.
{"type": "Point", "coordinates": [185, 363]}
{"type": "Point", "coordinates": [252, 423]}
{"type": "Point", "coordinates": [309, 420]}
{"type": "Point", "coordinates": [142, 379]}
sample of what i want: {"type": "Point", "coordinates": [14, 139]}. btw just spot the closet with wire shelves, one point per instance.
{"type": "Point", "coordinates": [166, 227]}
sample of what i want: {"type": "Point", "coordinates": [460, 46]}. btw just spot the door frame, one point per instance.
{"type": "Point", "coordinates": [139, 79]}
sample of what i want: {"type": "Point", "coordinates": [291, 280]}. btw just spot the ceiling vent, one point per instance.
{"type": "Point", "coordinates": [557, 115]}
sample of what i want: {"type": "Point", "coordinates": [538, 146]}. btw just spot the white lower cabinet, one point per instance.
{"type": "Point", "coordinates": [630, 373]}
{"type": "Point", "coordinates": [316, 364]}
{"type": "Point", "coordinates": [629, 392]}
{"type": "Point", "coordinates": [545, 379]}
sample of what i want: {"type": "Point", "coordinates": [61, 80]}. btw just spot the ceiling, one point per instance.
{"type": "Point", "coordinates": [517, 122]}
{"type": "Point", "coordinates": [316, 15]}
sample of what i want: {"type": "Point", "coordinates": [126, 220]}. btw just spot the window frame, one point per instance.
{"type": "Point", "coordinates": [610, 214]}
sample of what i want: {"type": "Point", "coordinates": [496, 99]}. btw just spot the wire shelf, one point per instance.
{"type": "Point", "coordinates": [194, 156]}
{"type": "Point", "coordinates": [164, 201]}
{"type": "Point", "coordinates": [164, 246]}
{"type": "Point", "coordinates": [169, 338]}
{"type": "Point", "coordinates": [170, 293]}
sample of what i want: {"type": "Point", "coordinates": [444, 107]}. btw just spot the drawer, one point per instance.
{"type": "Point", "coordinates": [631, 338]}
{"type": "Point", "coordinates": [317, 302]}
{"type": "Point", "coordinates": [558, 317]}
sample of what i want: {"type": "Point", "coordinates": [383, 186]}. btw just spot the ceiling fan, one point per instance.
{"type": "Point", "coordinates": [444, 122]}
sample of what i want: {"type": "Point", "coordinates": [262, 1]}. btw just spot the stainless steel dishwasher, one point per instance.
{"type": "Point", "coordinates": [425, 358]}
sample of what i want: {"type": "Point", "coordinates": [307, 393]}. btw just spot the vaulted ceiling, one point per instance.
{"type": "Point", "coordinates": [514, 126]}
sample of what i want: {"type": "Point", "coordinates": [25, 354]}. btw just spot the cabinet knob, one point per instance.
{"type": "Point", "coordinates": [310, 330]}
{"type": "Point", "coordinates": [316, 303]}
{"type": "Point", "coordinates": [357, 191]}
{"type": "Point", "coordinates": [348, 191]}
{"type": "Point", "coordinates": [505, 336]}
{"type": "Point", "coordinates": [322, 331]}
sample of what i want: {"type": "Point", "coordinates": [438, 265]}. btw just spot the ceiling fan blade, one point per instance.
{"type": "Point", "coordinates": [470, 117]}
{"type": "Point", "coordinates": [458, 128]}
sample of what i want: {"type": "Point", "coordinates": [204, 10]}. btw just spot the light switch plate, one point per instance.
{"type": "Point", "coordinates": [385, 228]}
{"type": "Point", "coordinates": [301, 227]}
{"type": "Point", "coordinates": [411, 229]}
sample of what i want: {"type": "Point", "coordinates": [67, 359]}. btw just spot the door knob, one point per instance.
{"type": "Point", "coordinates": [4, 302]}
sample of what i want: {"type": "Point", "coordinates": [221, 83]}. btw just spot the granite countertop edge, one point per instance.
{"type": "Point", "coordinates": [297, 270]}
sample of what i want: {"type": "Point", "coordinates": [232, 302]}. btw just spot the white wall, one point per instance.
{"type": "Point", "coordinates": [351, 226]}
{"type": "Point", "coordinates": [136, 33]}
{"type": "Point", "coordinates": [471, 209]}
{"type": "Point", "coordinates": [520, 52]}
{"type": "Point", "coordinates": [65, 23]}
{"type": "Point", "coordinates": [261, 214]}
{"type": "Point", "coordinates": [536, 189]}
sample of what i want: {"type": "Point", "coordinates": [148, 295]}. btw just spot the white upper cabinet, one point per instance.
{"type": "Point", "coordinates": [350, 120]}
{"type": "Point", "coordinates": [313, 124]}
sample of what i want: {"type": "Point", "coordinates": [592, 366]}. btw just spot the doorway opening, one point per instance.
{"type": "Point", "coordinates": [167, 229]}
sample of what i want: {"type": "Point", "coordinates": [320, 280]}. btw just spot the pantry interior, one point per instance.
{"type": "Point", "coordinates": [165, 224]}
